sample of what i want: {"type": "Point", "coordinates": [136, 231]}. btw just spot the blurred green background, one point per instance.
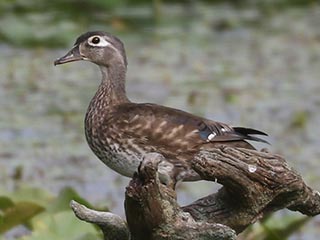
{"type": "Point", "coordinates": [252, 63]}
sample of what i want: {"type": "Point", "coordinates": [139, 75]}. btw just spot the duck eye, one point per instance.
{"type": "Point", "coordinates": [95, 40]}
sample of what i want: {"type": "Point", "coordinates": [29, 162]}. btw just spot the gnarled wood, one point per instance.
{"type": "Point", "coordinates": [112, 226]}
{"type": "Point", "coordinates": [153, 213]}
{"type": "Point", "coordinates": [254, 184]}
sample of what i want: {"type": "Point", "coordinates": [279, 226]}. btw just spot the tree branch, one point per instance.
{"type": "Point", "coordinates": [153, 212]}
{"type": "Point", "coordinates": [112, 226]}
{"type": "Point", "coordinates": [254, 184]}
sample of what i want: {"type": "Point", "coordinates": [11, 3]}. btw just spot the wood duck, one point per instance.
{"type": "Point", "coordinates": [121, 132]}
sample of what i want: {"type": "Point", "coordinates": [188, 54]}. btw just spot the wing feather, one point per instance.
{"type": "Point", "coordinates": [170, 128]}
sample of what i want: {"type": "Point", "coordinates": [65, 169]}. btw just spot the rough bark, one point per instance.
{"type": "Point", "coordinates": [254, 184]}
{"type": "Point", "coordinates": [113, 227]}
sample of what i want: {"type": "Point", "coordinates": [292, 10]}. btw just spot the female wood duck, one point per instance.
{"type": "Point", "coordinates": [121, 132]}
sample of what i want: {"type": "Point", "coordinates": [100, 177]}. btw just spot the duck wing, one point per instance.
{"type": "Point", "coordinates": [166, 128]}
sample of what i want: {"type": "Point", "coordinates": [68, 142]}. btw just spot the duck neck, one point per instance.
{"type": "Point", "coordinates": [112, 87]}
{"type": "Point", "coordinates": [110, 93]}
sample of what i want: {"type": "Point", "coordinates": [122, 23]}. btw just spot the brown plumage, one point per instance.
{"type": "Point", "coordinates": [120, 132]}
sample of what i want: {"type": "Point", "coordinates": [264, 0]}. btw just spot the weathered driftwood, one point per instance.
{"type": "Point", "coordinates": [254, 184]}
{"type": "Point", "coordinates": [112, 226]}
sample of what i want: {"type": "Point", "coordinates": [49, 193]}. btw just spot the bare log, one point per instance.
{"type": "Point", "coordinates": [254, 184]}
{"type": "Point", "coordinates": [112, 226]}
{"type": "Point", "coordinates": [154, 214]}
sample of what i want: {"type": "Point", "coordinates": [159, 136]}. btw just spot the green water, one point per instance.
{"type": "Point", "coordinates": [236, 66]}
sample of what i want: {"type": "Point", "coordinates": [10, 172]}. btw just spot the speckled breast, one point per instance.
{"type": "Point", "coordinates": [117, 153]}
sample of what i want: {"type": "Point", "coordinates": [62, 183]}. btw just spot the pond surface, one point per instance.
{"type": "Point", "coordinates": [260, 72]}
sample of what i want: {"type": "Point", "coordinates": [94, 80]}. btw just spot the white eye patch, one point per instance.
{"type": "Point", "coordinates": [98, 41]}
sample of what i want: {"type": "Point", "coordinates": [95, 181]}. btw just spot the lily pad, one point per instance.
{"type": "Point", "coordinates": [19, 213]}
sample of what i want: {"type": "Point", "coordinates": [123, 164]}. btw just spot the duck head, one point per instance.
{"type": "Point", "coordinates": [98, 47]}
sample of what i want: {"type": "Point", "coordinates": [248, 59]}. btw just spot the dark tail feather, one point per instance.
{"type": "Point", "coordinates": [256, 139]}
{"type": "Point", "coordinates": [247, 132]}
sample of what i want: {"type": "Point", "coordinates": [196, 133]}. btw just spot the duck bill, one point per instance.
{"type": "Point", "coordinates": [71, 56]}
